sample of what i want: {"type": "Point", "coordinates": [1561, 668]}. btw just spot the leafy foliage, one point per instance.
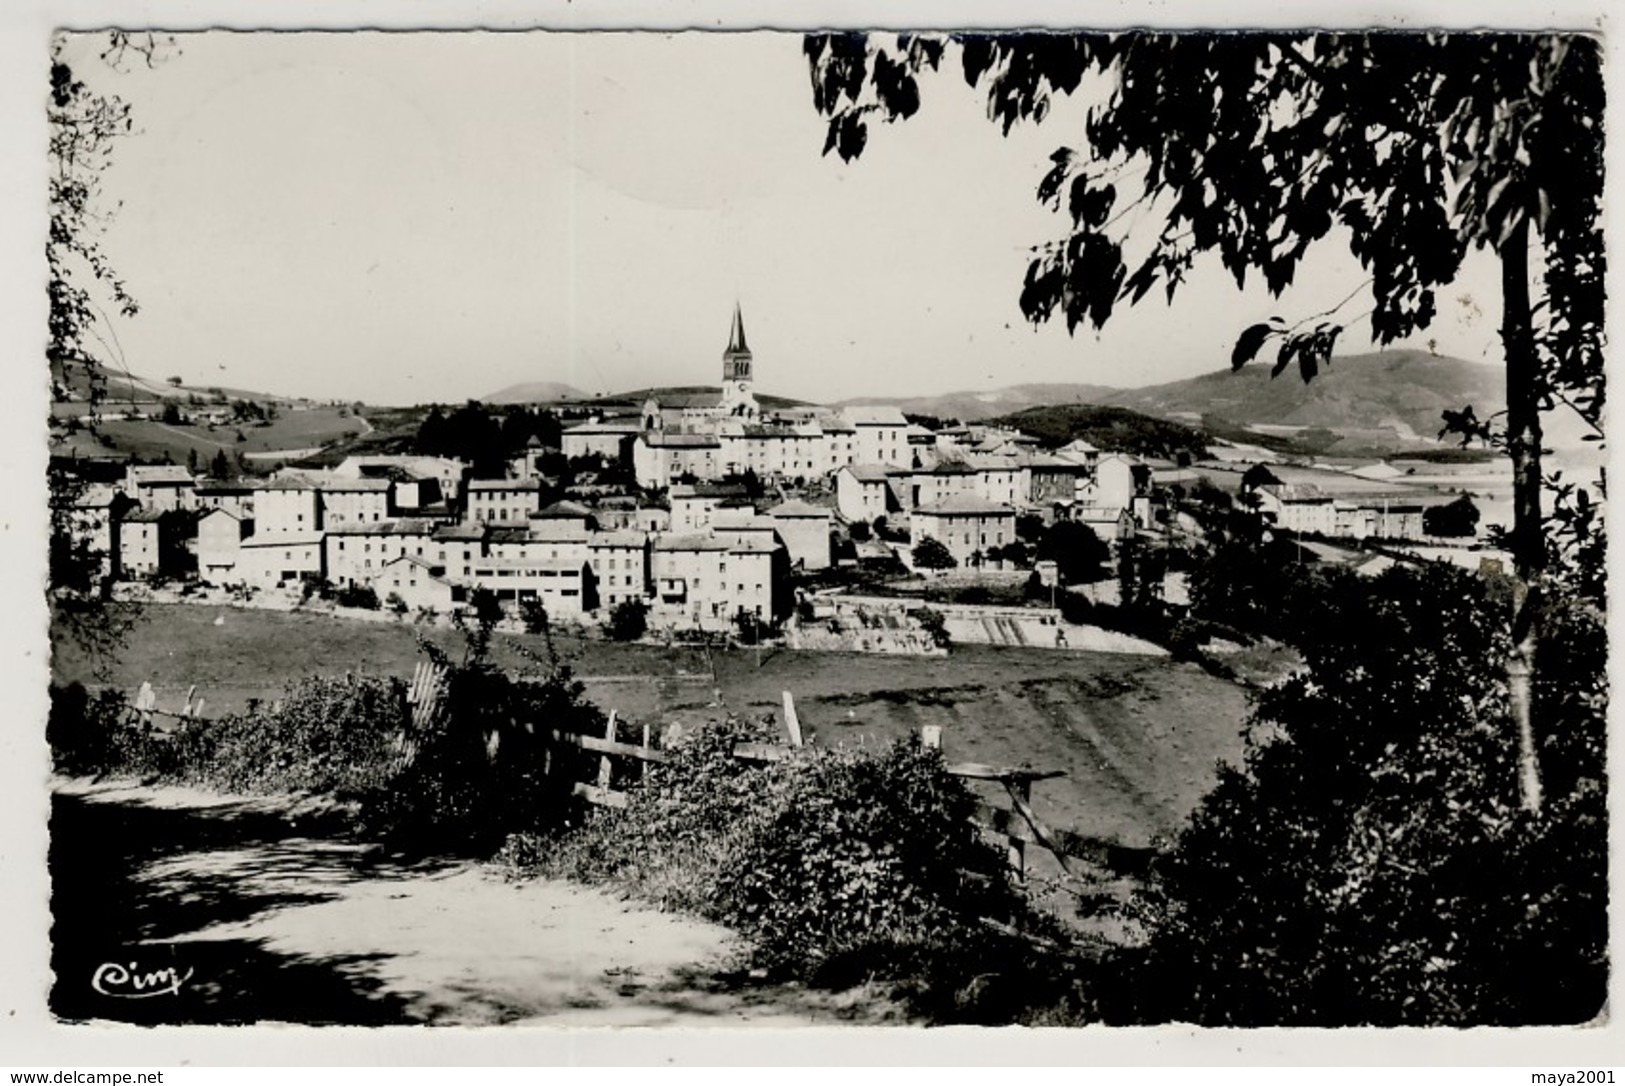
{"type": "Point", "coordinates": [1078, 553]}
{"type": "Point", "coordinates": [628, 620]}
{"type": "Point", "coordinates": [487, 765]}
{"type": "Point", "coordinates": [931, 553]}
{"type": "Point", "coordinates": [324, 735]}
{"type": "Point", "coordinates": [1416, 148]}
{"type": "Point", "coordinates": [934, 624]}
{"type": "Point", "coordinates": [1459, 518]}
{"type": "Point", "coordinates": [1371, 864]}
{"type": "Point", "coordinates": [837, 863]}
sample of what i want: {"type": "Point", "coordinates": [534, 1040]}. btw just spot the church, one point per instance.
{"type": "Point", "coordinates": [711, 434]}
{"type": "Point", "coordinates": [734, 398]}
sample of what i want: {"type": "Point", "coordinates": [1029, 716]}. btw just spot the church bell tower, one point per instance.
{"type": "Point", "coordinates": [737, 397]}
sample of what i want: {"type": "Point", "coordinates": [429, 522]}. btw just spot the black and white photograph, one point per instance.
{"type": "Point", "coordinates": [841, 528]}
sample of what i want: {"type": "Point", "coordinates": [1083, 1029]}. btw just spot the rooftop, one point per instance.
{"type": "Point", "coordinates": [964, 505]}
{"type": "Point", "coordinates": [873, 415]}
{"type": "Point", "coordinates": [867, 473]}
{"type": "Point", "coordinates": [623, 538]}
{"type": "Point", "coordinates": [661, 439]}
{"type": "Point", "coordinates": [503, 484]}
{"type": "Point", "coordinates": [696, 541]}
{"type": "Point", "coordinates": [796, 508]}
{"type": "Point", "coordinates": [157, 473]}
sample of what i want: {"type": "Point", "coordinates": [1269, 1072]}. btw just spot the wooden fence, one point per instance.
{"type": "Point", "coordinates": [1017, 826]}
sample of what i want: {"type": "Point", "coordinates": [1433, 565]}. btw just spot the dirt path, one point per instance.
{"type": "Point", "coordinates": [270, 914]}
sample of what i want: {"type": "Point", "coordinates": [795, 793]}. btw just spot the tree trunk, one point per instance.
{"type": "Point", "coordinates": [1528, 536]}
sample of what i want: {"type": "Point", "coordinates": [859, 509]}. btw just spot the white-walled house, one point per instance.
{"type": "Point", "coordinates": [159, 487]}
{"type": "Point", "coordinates": [220, 535]}
{"type": "Point", "coordinates": [662, 457]}
{"type": "Point", "coordinates": [965, 525]}
{"type": "Point", "coordinates": [282, 559]}
{"type": "Point", "coordinates": [880, 434]}
{"type": "Point", "coordinates": [705, 580]}
{"type": "Point", "coordinates": [862, 493]}
{"type": "Point", "coordinates": [419, 584]}
{"type": "Point", "coordinates": [502, 501]}
{"type": "Point", "coordinates": [287, 506]}
{"type": "Point", "coordinates": [620, 565]}
{"type": "Point", "coordinates": [804, 529]}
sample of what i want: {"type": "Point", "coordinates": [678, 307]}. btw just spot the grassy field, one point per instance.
{"type": "Point", "coordinates": [1138, 737]}
{"type": "Point", "coordinates": [150, 439]}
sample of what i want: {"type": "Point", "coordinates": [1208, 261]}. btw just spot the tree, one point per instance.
{"type": "Point", "coordinates": [1459, 518]}
{"type": "Point", "coordinates": [1371, 864]}
{"type": "Point", "coordinates": [84, 128]}
{"type": "Point", "coordinates": [192, 460]}
{"type": "Point", "coordinates": [628, 620]}
{"type": "Point", "coordinates": [1078, 553]}
{"type": "Point", "coordinates": [171, 415]}
{"type": "Point", "coordinates": [1412, 148]}
{"type": "Point", "coordinates": [931, 553]}
{"type": "Point", "coordinates": [1259, 475]}
{"type": "Point", "coordinates": [220, 467]}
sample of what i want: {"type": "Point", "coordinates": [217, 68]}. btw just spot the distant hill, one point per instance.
{"type": "Point", "coordinates": [535, 392]}
{"type": "Point", "coordinates": [1402, 391]}
{"type": "Point", "coordinates": [1114, 429]}
{"type": "Point", "coordinates": [126, 388]}
{"type": "Point", "coordinates": [979, 406]}
{"type": "Point", "coordinates": [676, 395]}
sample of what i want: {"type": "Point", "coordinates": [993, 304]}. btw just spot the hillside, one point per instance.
{"type": "Point", "coordinates": [535, 392]}
{"type": "Point", "coordinates": [677, 395]}
{"type": "Point", "coordinates": [1401, 391]}
{"type": "Point", "coordinates": [1115, 429]}
{"type": "Point", "coordinates": [987, 404]}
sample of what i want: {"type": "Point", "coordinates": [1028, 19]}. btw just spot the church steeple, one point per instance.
{"type": "Point", "coordinates": [737, 398]}
{"type": "Point", "coordinates": [736, 360]}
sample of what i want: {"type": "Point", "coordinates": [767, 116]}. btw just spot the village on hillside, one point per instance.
{"type": "Point", "coordinates": [709, 511]}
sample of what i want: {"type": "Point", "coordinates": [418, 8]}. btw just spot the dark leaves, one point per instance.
{"type": "Point", "coordinates": [898, 93]}
{"type": "Point", "coordinates": [1091, 206]}
{"type": "Point", "coordinates": [847, 135]}
{"type": "Point", "coordinates": [1465, 424]}
{"type": "Point", "coordinates": [1248, 344]}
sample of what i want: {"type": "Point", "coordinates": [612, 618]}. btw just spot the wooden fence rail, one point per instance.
{"type": "Point", "coordinates": [1018, 826]}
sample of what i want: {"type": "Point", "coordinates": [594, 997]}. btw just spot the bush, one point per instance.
{"type": "Point", "coordinates": [834, 862]}
{"type": "Point", "coordinates": [86, 733]}
{"type": "Point", "coordinates": [325, 735]}
{"type": "Point", "coordinates": [1373, 865]}
{"type": "Point", "coordinates": [860, 531]}
{"type": "Point", "coordinates": [1459, 519]}
{"type": "Point", "coordinates": [357, 595]}
{"type": "Point", "coordinates": [629, 620]}
{"type": "Point", "coordinates": [396, 603]}
{"type": "Point", "coordinates": [931, 553]}
{"type": "Point", "coordinates": [487, 766]}
{"type": "Point", "coordinates": [933, 623]}
{"type": "Point", "coordinates": [533, 613]}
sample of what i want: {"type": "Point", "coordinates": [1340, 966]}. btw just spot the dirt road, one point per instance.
{"type": "Point", "coordinates": [173, 906]}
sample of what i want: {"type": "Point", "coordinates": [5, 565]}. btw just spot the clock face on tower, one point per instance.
{"type": "Point", "coordinates": [740, 385]}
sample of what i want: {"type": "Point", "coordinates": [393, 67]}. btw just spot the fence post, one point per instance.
{"type": "Point", "coordinates": [791, 721]}
{"type": "Point", "coordinates": [643, 766]}
{"type": "Point", "coordinates": [1022, 789]}
{"type": "Point", "coordinates": [604, 768]}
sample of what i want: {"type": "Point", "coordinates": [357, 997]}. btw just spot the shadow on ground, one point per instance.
{"type": "Point", "coordinates": [131, 880]}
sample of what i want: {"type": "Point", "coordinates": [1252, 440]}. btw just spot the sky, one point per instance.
{"type": "Point", "coordinates": [406, 218]}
